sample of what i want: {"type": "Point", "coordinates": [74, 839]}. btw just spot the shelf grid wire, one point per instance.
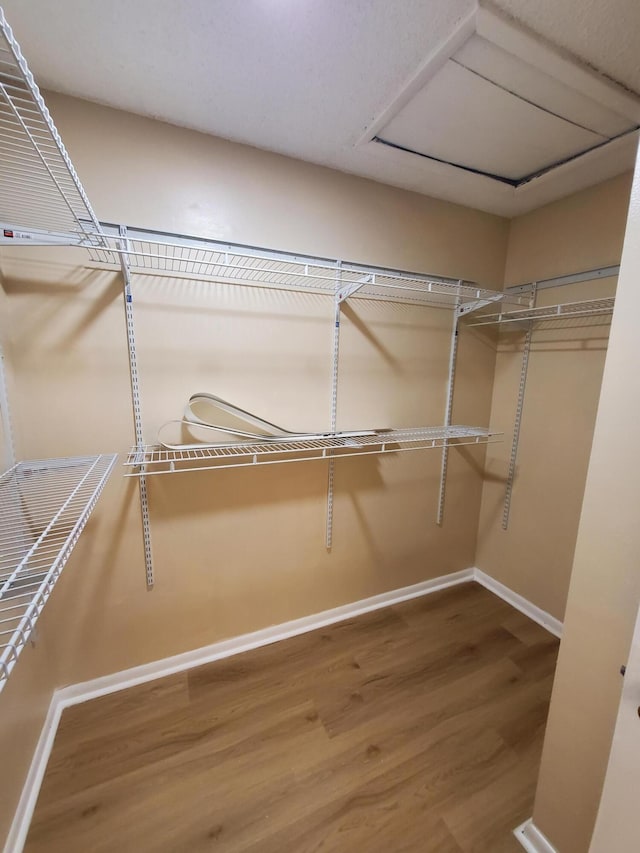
{"type": "Point", "coordinates": [39, 188]}
{"type": "Point", "coordinates": [208, 260]}
{"type": "Point", "coordinates": [44, 506]}
{"type": "Point", "coordinates": [154, 459]}
{"type": "Point", "coordinates": [566, 310]}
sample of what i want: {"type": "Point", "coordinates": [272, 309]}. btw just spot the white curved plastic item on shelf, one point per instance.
{"type": "Point", "coordinates": [264, 431]}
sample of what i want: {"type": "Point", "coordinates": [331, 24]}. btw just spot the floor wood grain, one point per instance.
{"type": "Point", "coordinates": [414, 728]}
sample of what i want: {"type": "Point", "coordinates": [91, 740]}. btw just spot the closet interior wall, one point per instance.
{"type": "Point", "coordinates": [604, 593]}
{"type": "Point", "coordinates": [235, 551]}
{"type": "Point", "coordinates": [238, 550]}
{"type": "Point", "coordinates": [534, 555]}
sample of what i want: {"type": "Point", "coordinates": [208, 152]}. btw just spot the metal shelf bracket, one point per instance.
{"type": "Point", "coordinates": [355, 286]}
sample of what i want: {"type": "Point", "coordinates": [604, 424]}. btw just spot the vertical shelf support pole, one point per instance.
{"type": "Point", "coordinates": [136, 400]}
{"type": "Point", "coordinates": [5, 413]}
{"type": "Point", "coordinates": [518, 419]}
{"type": "Point", "coordinates": [453, 354]}
{"type": "Point", "coordinates": [334, 403]}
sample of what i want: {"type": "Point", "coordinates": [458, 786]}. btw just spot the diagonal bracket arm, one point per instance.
{"type": "Point", "coordinates": [349, 289]}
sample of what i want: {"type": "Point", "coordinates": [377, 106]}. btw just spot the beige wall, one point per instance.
{"type": "Point", "coordinates": [238, 550]}
{"type": "Point", "coordinates": [234, 550]}
{"type": "Point", "coordinates": [534, 556]}
{"type": "Point", "coordinates": [605, 587]}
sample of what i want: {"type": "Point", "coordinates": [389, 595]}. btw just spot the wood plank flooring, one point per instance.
{"type": "Point", "coordinates": [414, 728]}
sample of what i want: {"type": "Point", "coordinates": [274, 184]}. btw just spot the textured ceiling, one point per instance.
{"type": "Point", "coordinates": [301, 77]}
{"type": "Point", "coordinates": [297, 76]}
{"type": "Point", "coordinates": [605, 34]}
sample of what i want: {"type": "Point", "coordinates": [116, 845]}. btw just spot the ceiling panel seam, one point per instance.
{"type": "Point", "coordinates": [527, 100]}
{"type": "Point", "coordinates": [512, 182]}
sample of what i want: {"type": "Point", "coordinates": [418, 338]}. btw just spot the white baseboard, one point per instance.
{"type": "Point", "coordinates": [27, 803]}
{"type": "Point", "coordinates": [82, 692]}
{"type": "Point", "coordinates": [76, 693]}
{"type": "Point", "coordinates": [553, 625]}
{"type": "Point", "coordinates": [532, 839]}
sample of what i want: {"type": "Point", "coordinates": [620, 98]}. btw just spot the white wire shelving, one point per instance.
{"type": "Point", "coordinates": [39, 188]}
{"type": "Point", "coordinates": [151, 253]}
{"type": "Point", "coordinates": [526, 320]}
{"type": "Point", "coordinates": [562, 311]}
{"type": "Point", "coordinates": [155, 459]}
{"type": "Point", "coordinates": [44, 506]}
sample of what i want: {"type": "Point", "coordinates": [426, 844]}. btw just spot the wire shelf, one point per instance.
{"type": "Point", "coordinates": [155, 459]}
{"type": "Point", "coordinates": [39, 188]}
{"type": "Point", "coordinates": [44, 507]}
{"type": "Point", "coordinates": [210, 260]}
{"type": "Point", "coordinates": [566, 310]}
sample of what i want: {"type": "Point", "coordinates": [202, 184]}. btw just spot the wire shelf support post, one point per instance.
{"type": "Point", "coordinates": [136, 402]}
{"type": "Point", "coordinates": [453, 354]}
{"type": "Point", "coordinates": [513, 458]}
{"type": "Point", "coordinates": [334, 402]}
{"type": "Point", "coordinates": [5, 416]}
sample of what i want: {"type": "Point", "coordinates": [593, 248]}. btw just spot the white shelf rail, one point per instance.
{"type": "Point", "coordinates": [155, 254]}
{"type": "Point", "coordinates": [563, 311]}
{"type": "Point", "coordinates": [44, 506]}
{"type": "Point", "coordinates": [596, 274]}
{"type": "Point", "coordinates": [39, 188]}
{"type": "Point", "coordinates": [154, 459]}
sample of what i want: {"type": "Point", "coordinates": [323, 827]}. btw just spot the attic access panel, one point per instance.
{"type": "Point", "coordinates": [496, 102]}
